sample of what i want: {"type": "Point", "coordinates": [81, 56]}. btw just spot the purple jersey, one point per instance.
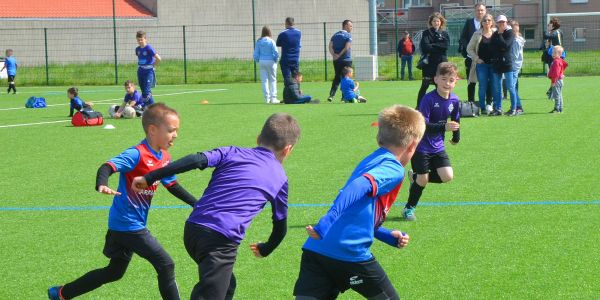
{"type": "Point", "coordinates": [145, 55]}
{"type": "Point", "coordinates": [135, 96]}
{"type": "Point", "coordinates": [436, 110]}
{"type": "Point", "coordinates": [243, 181]}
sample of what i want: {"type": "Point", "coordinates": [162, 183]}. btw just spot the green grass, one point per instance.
{"type": "Point", "coordinates": [237, 70]}
{"type": "Point", "coordinates": [456, 252]}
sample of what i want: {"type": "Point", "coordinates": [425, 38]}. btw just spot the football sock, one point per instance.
{"type": "Point", "coordinates": [414, 195]}
{"type": "Point", "coordinates": [435, 177]}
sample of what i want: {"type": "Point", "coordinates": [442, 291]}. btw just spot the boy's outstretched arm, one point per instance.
{"type": "Point", "coordinates": [393, 238]}
{"type": "Point", "coordinates": [187, 163]}
{"type": "Point", "coordinates": [178, 191]}
{"type": "Point", "coordinates": [277, 234]}
{"type": "Point", "coordinates": [102, 175]}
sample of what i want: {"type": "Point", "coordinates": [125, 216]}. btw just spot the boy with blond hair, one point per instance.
{"type": "Point", "coordinates": [336, 256]}
{"type": "Point", "coordinates": [556, 75]}
{"type": "Point", "coordinates": [430, 162]}
{"type": "Point", "coordinates": [243, 181]}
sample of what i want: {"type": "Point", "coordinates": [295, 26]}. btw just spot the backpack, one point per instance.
{"type": "Point", "coordinates": [35, 102]}
{"type": "Point", "coordinates": [468, 109]}
{"type": "Point", "coordinates": [87, 118]}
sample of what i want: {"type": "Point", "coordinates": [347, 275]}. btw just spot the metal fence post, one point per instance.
{"type": "Point", "coordinates": [115, 43]}
{"type": "Point", "coordinates": [46, 51]}
{"type": "Point", "coordinates": [325, 47]}
{"type": "Point", "coordinates": [184, 58]}
{"type": "Point", "coordinates": [396, 33]}
{"type": "Point", "coordinates": [254, 35]}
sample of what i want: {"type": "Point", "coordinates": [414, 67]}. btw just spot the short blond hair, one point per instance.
{"type": "Point", "coordinates": [399, 126]}
{"type": "Point", "coordinates": [558, 49]}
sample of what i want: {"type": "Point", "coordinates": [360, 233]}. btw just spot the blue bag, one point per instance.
{"type": "Point", "coordinates": [35, 102]}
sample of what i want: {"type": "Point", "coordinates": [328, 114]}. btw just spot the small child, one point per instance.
{"type": "Point", "coordinates": [349, 87]}
{"type": "Point", "coordinates": [127, 233]}
{"type": "Point", "coordinates": [292, 94]}
{"type": "Point", "coordinates": [430, 162]}
{"type": "Point", "coordinates": [10, 64]}
{"type": "Point", "coordinates": [148, 58]}
{"type": "Point", "coordinates": [243, 181]}
{"type": "Point", "coordinates": [336, 256]}
{"type": "Point", "coordinates": [76, 103]}
{"type": "Point", "coordinates": [133, 98]}
{"type": "Point", "coordinates": [556, 75]}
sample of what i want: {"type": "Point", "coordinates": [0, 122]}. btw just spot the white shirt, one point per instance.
{"type": "Point", "coordinates": [477, 24]}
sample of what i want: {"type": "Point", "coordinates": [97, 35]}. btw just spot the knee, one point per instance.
{"type": "Point", "coordinates": [166, 270]}
{"type": "Point", "coordinates": [422, 179]}
{"type": "Point", "coordinates": [114, 273]}
{"type": "Point", "coordinates": [447, 178]}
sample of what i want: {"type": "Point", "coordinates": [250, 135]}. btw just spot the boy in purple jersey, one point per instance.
{"type": "Point", "coordinates": [133, 98]}
{"type": "Point", "coordinates": [336, 256]}
{"type": "Point", "coordinates": [243, 181]}
{"type": "Point", "coordinates": [148, 58]}
{"type": "Point", "coordinates": [431, 163]}
{"type": "Point", "coordinates": [127, 233]}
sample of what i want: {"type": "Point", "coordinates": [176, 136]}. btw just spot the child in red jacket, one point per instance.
{"type": "Point", "coordinates": [556, 75]}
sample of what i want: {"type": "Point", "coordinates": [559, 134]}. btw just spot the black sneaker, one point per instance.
{"type": "Point", "coordinates": [362, 99]}
{"type": "Point", "coordinates": [330, 99]}
{"type": "Point", "coordinates": [553, 111]}
{"type": "Point", "coordinates": [520, 111]}
{"type": "Point", "coordinates": [495, 113]}
{"type": "Point", "coordinates": [510, 113]}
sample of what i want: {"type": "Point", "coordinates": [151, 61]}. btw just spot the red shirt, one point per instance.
{"type": "Point", "coordinates": [557, 69]}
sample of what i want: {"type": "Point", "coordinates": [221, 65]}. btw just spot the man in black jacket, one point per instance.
{"type": "Point", "coordinates": [292, 93]}
{"type": "Point", "coordinates": [471, 25]}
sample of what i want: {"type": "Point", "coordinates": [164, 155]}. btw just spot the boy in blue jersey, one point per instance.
{"type": "Point", "coordinates": [127, 232]}
{"type": "Point", "coordinates": [349, 87]}
{"type": "Point", "coordinates": [148, 58]}
{"type": "Point", "coordinates": [430, 162]}
{"type": "Point", "coordinates": [75, 103]}
{"type": "Point", "coordinates": [336, 256]}
{"type": "Point", "coordinates": [133, 98]}
{"type": "Point", "coordinates": [10, 63]}
{"type": "Point", "coordinates": [243, 181]}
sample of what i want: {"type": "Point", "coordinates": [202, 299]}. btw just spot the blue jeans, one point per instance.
{"type": "Point", "coordinates": [497, 89]}
{"type": "Point", "coordinates": [517, 103]}
{"type": "Point", "coordinates": [406, 60]}
{"type": "Point", "coordinates": [484, 78]}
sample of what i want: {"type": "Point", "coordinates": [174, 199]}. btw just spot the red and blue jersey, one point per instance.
{"type": "Point", "coordinates": [348, 229]}
{"type": "Point", "coordinates": [129, 211]}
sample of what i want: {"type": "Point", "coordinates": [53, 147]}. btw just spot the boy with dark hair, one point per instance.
{"type": "Point", "coordinates": [76, 104]}
{"type": "Point", "coordinates": [430, 162]}
{"type": "Point", "coordinates": [148, 58]}
{"type": "Point", "coordinates": [10, 64]}
{"type": "Point", "coordinates": [243, 181]}
{"type": "Point", "coordinates": [292, 94]}
{"type": "Point", "coordinates": [132, 98]}
{"type": "Point", "coordinates": [127, 233]}
{"type": "Point", "coordinates": [336, 256]}
{"type": "Point", "coordinates": [349, 87]}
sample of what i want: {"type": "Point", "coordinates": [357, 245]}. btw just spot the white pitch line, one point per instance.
{"type": "Point", "coordinates": [105, 100]}
{"type": "Point", "coordinates": [29, 124]}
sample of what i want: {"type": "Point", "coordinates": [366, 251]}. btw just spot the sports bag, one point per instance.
{"type": "Point", "coordinates": [35, 102]}
{"type": "Point", "coordinates": [468, 109]}
{"type": "Point", "coordinates": [87, 118]}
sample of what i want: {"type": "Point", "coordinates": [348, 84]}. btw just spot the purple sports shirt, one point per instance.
{"type": "Point", "coordinates": [436, 109]}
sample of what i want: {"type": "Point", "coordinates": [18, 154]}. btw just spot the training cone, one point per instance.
{"type": "Point", "coordinates": [109, 126]}
{"type": "Point", "coordinates": [374, 124]}
{"type": "Point", "coordinates": [204, 102]}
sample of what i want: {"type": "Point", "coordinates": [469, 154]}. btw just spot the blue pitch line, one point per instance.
{"type": "Point", "coordinates": [434, 204]}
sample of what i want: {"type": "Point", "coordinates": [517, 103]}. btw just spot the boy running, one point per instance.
{"type": "Point", "coordinates": [431, 163]}
{"type": "Point", "coordinates": [127, 233]}
{"type": "Point", "coordinates": [336, 256]}
{"type": "Point", "coordinates": [243, 181]}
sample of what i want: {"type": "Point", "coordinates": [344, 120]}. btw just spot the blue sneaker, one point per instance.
{"type": "Point", "coordinates": [409, 214]}
{"type": "Point", "coordinates": [54, 293]}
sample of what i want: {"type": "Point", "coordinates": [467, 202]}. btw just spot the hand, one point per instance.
{"type": "Point", "coordinates": [452, 126]}
{"type": "Point", "coordinates": [139, 184]}
{"type": "Point", "coordinates": [108, 191]}
{"type": "Point", "coordinates": [403, 238]}
{"type": "Point", "coordinates": [117, 115]}
{"type": "Point", "coordinates": [480, 61]}
{"type": "Point", "coordinates": [312, 233]}
{"type": "Point", "coordinates": [254, 248]}
{"type": "Point", "coordinates": [335, 56]}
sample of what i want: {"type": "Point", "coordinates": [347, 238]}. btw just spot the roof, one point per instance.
{"type": "Point", "coordinates": [72, 9]}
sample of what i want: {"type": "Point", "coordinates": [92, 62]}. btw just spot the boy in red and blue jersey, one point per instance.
{"type": "Point", "coordinates": [148, 58]}
{"type": "Point", "coordinates": [243, 181]}
{"type": "Point", "coordinates": [431, 162]}
{"type": "Point", "coordinates": [127, 233]}
{"type": "Point", "coordinates": [336, 256]}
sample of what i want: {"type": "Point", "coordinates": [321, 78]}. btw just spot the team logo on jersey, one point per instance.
{"type": "Point", "coordinates": [150, 163]}
{"type": "Point", "coordinates": [436, 105]}
{"type": "Point", "coordinates": [145, 53]}
{"type": "Point", "coordinates": [450, 107]}
{"type": "Point", "coordinates": [355, 280]}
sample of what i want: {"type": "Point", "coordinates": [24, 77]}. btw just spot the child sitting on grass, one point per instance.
{"type": "Point", "coordinates": [76, 103]}
{"type": "Point", "coordinates": [292, 94]}
{"type": "Point", "coordinates": [349, 87]}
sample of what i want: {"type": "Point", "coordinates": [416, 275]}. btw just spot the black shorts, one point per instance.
{"type": "Point", "coordinates": [122, 245]}
{"type": "Point", "coordinates": [423, 163]}
{"type": "Point", "coordinates": [11, 78]}
{"type": "Point", "coordinates": [322, 277]}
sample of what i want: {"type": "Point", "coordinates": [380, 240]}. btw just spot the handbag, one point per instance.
{"type": "Point", "coordinates": [468, 109]}
{"type": "Point", "coordinates": [423, 61]}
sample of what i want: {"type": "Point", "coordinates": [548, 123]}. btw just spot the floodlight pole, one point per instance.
{"type": "Point", "coordinates": [115, 42]}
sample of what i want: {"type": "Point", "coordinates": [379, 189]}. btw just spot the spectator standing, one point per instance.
{"type": "Point", "coordinates": [289, 41]}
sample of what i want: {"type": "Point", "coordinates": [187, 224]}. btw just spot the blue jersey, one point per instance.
{"type": "Point", "coordinates": [77, 103]}
{"type": "Point", "coordinates": [145, 55]}
{"type": "Point", "coordinates": [339, 41]}
{"type": "Point", "coordinates": [289, 41]}
{"type": "Point", "coordinates": [437, 110]}
{"type": "Point", "coordinates": [348, 228]}
{"type": "Point", "coordinates": [11, 66]}
{"type": "Point", "coordinates": [347, 87]}
{"type": "Point", "coordinates": [129, 211]}
{"type": "Point", "coordinates": [135, 97]}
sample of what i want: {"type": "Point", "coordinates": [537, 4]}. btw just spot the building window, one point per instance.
{"type": "Point", "coordinates": [579, 1]}
{"type": "Point", "coordinates": [416, 3]}
{"type": "Point", "coordinates": [579, 34]}
{"type": "Point", "coordinates": [529, 33]}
